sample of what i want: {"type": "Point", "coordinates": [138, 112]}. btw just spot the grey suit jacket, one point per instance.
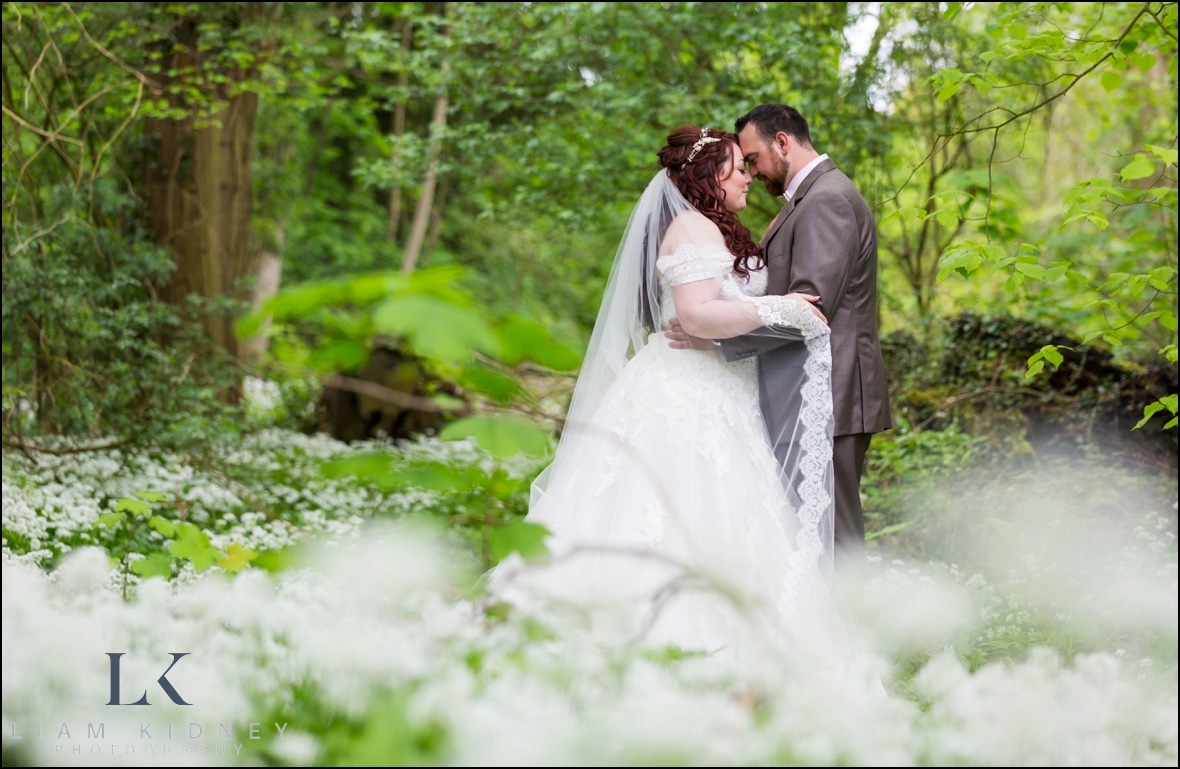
{"type": "Point", "coordinates": [825, 244]}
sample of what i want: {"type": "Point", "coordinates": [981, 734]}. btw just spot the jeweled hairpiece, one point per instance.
{"type": "Point", "coordinates": [700, 144]}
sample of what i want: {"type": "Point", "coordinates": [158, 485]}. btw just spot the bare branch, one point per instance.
{"type": "Point", "coordinates": [389, 395]}
{"type": "Point", "coordinates": [152, 86]}
{"type": "Point", "coordinates": [51, 136]}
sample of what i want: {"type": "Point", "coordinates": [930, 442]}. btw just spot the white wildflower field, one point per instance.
{"type": "Point", "coordinates": [338, 622]}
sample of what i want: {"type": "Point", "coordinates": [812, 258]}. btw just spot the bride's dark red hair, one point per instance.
{"type": "Point", "coordinates": [699, 182]}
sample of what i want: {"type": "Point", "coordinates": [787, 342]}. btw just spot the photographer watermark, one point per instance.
{"type": "Point", "coordinates": [100, 737]}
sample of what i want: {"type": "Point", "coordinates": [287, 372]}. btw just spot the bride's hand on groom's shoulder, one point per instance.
{"type": "Point", "coordinates": [679, 339]}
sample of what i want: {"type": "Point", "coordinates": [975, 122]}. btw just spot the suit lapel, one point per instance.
{"type": "Point", "coordinates": [788, 207]}
{"type": "Point", "coordinates": [821, 169]}
{"type": "Point", "coordinates": [816, 173]}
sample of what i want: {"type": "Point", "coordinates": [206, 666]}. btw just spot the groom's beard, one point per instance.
{"type": "Point", "coordinates": [776, 181]}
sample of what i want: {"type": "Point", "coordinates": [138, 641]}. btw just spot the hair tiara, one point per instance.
{"type": "Point", "coordinates": [700, 144]}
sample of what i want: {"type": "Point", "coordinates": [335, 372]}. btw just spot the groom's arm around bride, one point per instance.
{"type": "Point", "coordinates": [823, 242]}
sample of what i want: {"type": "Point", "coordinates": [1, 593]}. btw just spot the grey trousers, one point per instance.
{"type": "Point", "coordinates": [848, 461]}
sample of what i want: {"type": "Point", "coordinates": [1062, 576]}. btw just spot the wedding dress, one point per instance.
{"type": "Point", "coordinates": [671, 522]}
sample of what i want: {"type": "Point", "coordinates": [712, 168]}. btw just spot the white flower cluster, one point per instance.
{"type": "Point", "coordinates": [369, 622]}
{"type": "Point", "coordinates": [379, 625]}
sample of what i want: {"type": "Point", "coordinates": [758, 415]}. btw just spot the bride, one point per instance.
{"type": "Point", "coordinates": [672, 521]}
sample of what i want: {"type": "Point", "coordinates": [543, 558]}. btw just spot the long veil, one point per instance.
{"type": "Point", "coordinates": [629, 313]}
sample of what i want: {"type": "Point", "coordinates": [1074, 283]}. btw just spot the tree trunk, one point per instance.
{"type": "Point", "coordinates": [426, 200]}
{"type": "Point", "coordinates": [269, 278]}
{"type": "Point", "coordinates": [438, 124]}
{"type": "Point", "coordinates": [436, 217]}
{"type": "Point", "coordinates": [399, 130]}
{"type": "Point", "coordinates": [200, 194]}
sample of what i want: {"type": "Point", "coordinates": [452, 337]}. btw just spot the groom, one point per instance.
{"type": "Point", "coordinates": [823, 242]}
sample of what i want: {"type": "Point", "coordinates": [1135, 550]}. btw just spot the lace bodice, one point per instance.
{"type": "Point", "coordinates": [692, 262]}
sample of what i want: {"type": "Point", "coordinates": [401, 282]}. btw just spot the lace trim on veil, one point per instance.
{"type": "Point", "coordinates": [810, 559]}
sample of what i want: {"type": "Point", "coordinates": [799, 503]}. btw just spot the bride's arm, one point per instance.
{"type": "Point", "coordinates": [696, 260]}
{"type": "Point", "coordinates": [703, 313]}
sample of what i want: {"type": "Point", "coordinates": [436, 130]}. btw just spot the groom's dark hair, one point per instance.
{"type": "Point", "coordinates": [769, 119]}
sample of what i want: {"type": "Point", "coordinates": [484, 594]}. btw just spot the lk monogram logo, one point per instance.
{"type": "Point", "coordinates": [165, 684]}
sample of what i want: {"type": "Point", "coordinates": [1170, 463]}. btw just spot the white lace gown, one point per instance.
{"type": "Point", "coordinates": [672, 522]}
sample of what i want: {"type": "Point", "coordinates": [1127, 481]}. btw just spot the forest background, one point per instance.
{"type": "Point", "coordinates": [388, 226]}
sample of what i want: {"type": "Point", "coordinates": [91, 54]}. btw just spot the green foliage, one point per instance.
{"type": "Point", "coordinates": [427, 312]}
{"type": "Point", "coordinates": [127, 533]}
{"type": "Point", "coordinates": [387, 733]}
{"type": "Point", "coordinates": [483, 502]}
{"type": "Point", "coordinates": [1109, 267]}
{"type": "Point", "coordinates": [89, 350]}
{"type": "Point", "coordinates": [431, 317]}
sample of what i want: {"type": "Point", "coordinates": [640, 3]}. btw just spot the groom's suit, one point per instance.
{"type": "Point", "coordinates": [824, 242]}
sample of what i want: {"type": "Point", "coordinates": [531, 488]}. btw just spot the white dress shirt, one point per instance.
{"type": "Point", "coordinates": [799, 177]}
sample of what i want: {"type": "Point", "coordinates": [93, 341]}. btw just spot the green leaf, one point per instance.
{"type": "Point", "coordinates": [133, 506]}
{"type": "Point", "coordinates": [162, 525]}
{"type": "Point", "coordinates": [965, 260]}
{"type": "Point", "coordinates": [1097, 219]}
{"type": "Point", "coordinates": [1111, 80]}
{"type": "Point", "coordinates": [1052, 355]}
{"type": "Point", "coordinates": [522, 537]}
{"type": "Point", "coordinates": [435, 328]}
{"type": "Point", "coordinates": [237, 558]}
{"type": "Point", "coordinates": [344, 355]}
{"type": "Point", "coordinates": [1032, 270]}
{"type": "Point", "coordinates": [1152, 409]}
{"type": "Point", "coordinates": [1139, 168]}
{"type": "Point", "coordinates": [491, 383]}
{"type": "Point", "coordinates": [950, 75]}
{"type": "Point", "coordinates": [154, 565]}
{"type": "Point", "coordinates": [1166, 154]}
{"type": "Point", "coordinates": [433, 476]}
{"type": "Point", "coordinates": [1034, 369]}
{"type": "Point", "coordinates": [1161, 278]}
{"type": "Point", "coordinates": [501, 437]}
{"type": "Point", "coordinates": [908, 214]}
{"type": "Point", "coordinates": [526, 339]}
{"type": "Point", "coordinates": [251, 325]}
{"type": "Point", "coordinates": [448, 402]}
{"type": "Point", "coordinates": [287, 558]}
{"type": "Point", "coordinates": [151, 496]}
{"type": "Point", "coordinates": [194, 544]}
{"type": "Point", "coordinates": [1142, 61]}
{"type": "Point", "coordinates": [110, 519]}
{"type": "Point", "coordinates": [983, 85]}
{"type": "Point", "coordinates": [947, 218]}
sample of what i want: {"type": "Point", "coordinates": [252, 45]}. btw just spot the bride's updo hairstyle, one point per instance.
{"type": "Point", "coordinates": [696, 160]}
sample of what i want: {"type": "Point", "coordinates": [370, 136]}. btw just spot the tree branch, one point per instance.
{"type": "Point", "coordinates": [389, 395]}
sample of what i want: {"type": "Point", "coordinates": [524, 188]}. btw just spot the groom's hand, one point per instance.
{"type": "Point", "coordinates": [681, 340]}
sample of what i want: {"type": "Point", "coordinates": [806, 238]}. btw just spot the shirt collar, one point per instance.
{"type": "Point", "coordinates": [799, 177]}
